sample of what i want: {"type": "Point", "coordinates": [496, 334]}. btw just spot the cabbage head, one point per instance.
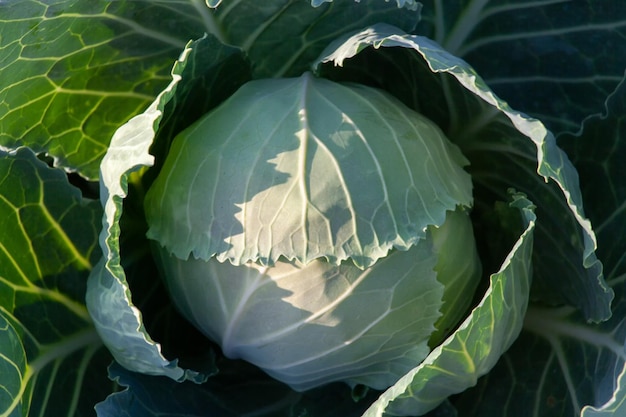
{"type": "Point", "coordinates": [318, 230]}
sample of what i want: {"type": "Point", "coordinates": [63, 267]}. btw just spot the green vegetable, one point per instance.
{"type": "Point", "coordinates": [426, 218]}
{"type": "Point", "coordinates": [307, 225]}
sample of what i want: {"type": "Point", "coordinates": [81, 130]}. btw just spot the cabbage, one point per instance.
{"type": "Point", "coordinates": [329, 188]}
{"type": "Point", "coordinates": [317, 230]}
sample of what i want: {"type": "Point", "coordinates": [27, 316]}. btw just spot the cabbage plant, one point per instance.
{"type": "Point", "coordinates": [290, 208]}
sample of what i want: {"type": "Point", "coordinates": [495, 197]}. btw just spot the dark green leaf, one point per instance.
{"type": "Point", "coordinates": [72, 71]}
{"type": "Point", "coordinates": [51, 358]}
{"type": "Point", "coordinates": [561, 365]}
{"type": "Point", "coordinates": [108, 296]}
{"type": "Point", "coordinates": [239, 391]}
{"type": "Point", "coordinates": [599, 152]}
{"type": "Point", "coordinates": [556, 60]}
{"type": "Point", "coordinates": [283, 37]}
{"type": "Point", "coordinates": [558, 366]}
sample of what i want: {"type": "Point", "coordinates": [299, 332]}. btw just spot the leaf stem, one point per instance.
{"type": "Point", "coordinates": [211, 23]}
{"type": "Point", "coordinates": [50, 353]}
{"type": "Point", "coordinates": [468, 20]}
{"type": "Point", "coordinates": [553, 323]}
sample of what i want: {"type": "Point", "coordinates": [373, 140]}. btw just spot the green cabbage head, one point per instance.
{"type": "Point", "coordinates": [318, 230]}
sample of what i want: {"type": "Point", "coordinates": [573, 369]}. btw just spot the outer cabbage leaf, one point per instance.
{"type": "Point", "coordinates": [117, 319]}
{"type": "Point", "coordinates": [496, 139]}
{"type": "Point", "coordinates": [475, 347]}
{"type": "Point", "coordinates": [556, 60]}
{"type": "Point", "coordinates": [51, 358]}
{"type": "Point", "coordinates": [150, 396]}
{"type": "Point", "coordinates": [562, 365]}
{"type": "Point", "coordinates": [221, 395]}
{"type": "Point", "coordinates": [282, 37]}
{"type": "Point", "coordinates": [72, 71]}
{"type": "Point", "coordinates": [616, 405]}
{"type": "Point", "coordinates": [598, 151]}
